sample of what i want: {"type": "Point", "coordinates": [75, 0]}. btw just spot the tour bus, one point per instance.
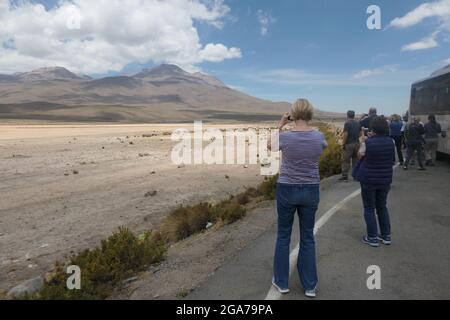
{"type": "Point", "coordinates": [432, 96]}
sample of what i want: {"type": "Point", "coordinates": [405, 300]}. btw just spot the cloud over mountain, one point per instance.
{"type": "Point", "coordinates": [105, 35]}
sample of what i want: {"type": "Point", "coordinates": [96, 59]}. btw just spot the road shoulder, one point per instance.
{"type": "Point", "coordinates": [414, 267]}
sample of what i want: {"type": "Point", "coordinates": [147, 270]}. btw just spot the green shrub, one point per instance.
{"type": "Point", "coordinates": [104, 268]}
{"type": "Point", "coordinates": [183, 293]}
{"type": "Point", "coordinates": [268, 188]}
{"type": "Point", "coordinates": [331, 159]}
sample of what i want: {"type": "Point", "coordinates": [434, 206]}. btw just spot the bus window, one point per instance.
{"type": "Point", "coordinates": [427, 99]}
{"type": "Point", "coordinates": [419, 96]}
{"type": "Point", "coordinates": [444, 99]}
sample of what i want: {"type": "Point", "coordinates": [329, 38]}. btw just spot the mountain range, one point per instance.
{"type": "Point", "coordinates": [165, 93]}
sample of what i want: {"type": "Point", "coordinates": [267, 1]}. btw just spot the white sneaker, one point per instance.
{"type": "Point", "coordinates": [282, 291]}
{"type": "Point", "coordinates": [311, 293]}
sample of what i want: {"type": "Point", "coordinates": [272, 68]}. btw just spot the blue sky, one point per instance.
{"type": "Point", "coordinates": [330, 43]}
{"type": "Point", "coordinates": [283, 50]}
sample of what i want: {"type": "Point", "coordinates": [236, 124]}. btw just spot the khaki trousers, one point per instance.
{"type": "Point", "coordinates": [430, 149]}
{"type": "Point", "coordinates": [349, 157]}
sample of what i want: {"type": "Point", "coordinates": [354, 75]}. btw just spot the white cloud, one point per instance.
{"type": "Point", "coordinates": [426, 43]}
{"type": "Point", "coordinates": [218, 52]}
{"type": "Point", "coordinates": [367, 73]}
{"type": "Point", "coordinates": [385, 76]}
{"type": "Point", "coordinates": [265, 20]}
{"type": "Point", "coordinates": [111, 34]}
{"type": "Point", "coordinates": [439, 10]}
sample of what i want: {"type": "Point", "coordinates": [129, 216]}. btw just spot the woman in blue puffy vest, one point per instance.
{"type": "Point", "coordinates": [375, 175]}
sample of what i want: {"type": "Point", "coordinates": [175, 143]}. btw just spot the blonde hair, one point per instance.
{"type": "Point", "coordinates": [302, 109]}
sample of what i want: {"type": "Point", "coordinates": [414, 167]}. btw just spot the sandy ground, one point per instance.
{"type": "Point", "coordinates": [65, 187]}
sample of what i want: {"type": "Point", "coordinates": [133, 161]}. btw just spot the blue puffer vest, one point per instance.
{"type": "Point", "coordinates": [396, 128]}
{"type": "Point", "coordinates": [377, 166]}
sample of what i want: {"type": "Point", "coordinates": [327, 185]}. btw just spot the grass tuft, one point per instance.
{"type": "Point", "coordinates": [232, 212]}
{"type": "Point", "coordinates": [186, 221]}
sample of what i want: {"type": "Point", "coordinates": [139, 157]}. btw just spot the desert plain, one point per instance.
{"type": "Point", "coordinates": [65, 187]}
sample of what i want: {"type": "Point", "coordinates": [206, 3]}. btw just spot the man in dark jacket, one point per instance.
{"type": "Point", "coordinates": [350, 144]}
{"type": "Point", "coordinates": [432, 131]}
{"type": "Point", "coordinates": [414, 141]}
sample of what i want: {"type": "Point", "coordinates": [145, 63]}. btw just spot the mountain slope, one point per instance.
{"type": "Point", "coordinates": [49, 74]}
{"type": "Point", "coordinates": [163, 93]}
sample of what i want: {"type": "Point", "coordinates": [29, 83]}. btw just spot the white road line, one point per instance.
{"type": "Point", "coordinates": [273, 293]}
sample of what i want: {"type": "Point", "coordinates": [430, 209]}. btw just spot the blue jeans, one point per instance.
{"type": "Point", "coordinates": [375, 200]}
{"type": "Point", "coordinates": [303, 199]}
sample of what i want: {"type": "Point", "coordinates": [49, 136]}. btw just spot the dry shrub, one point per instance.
{"type": "Point", "coordinates": [331, 160]}
{"type": "Point", "coordinates": [185, 221]}
{"type": "Point", "coordinates": [242, 199]}
{"type": "Point", "coordinates": [253, 193]}
{"type": "Point", "coordinates": [232, 212]}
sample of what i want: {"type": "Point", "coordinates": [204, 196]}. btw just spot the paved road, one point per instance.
{"type": "Point", "coordinates": [416, 266]}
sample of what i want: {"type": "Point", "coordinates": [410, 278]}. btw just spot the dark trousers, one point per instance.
{"type": "Point", "coordinates": [375, 205]}
{"type": "Point", "coordinates": [398, 145]}
{"type": "Point", "coordinates": [414, 147]}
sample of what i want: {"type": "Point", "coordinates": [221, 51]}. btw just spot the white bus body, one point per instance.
{"type": "Point", "coordinates": [432, 96]}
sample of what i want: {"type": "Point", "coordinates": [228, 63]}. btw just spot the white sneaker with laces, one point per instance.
{"type": "Point", "coordinates": [282, 291]}
{"type": "Point", "coordinates": [311, 293]}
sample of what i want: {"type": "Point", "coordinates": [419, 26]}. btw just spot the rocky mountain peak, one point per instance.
{"type": "Point", "coordinates": [50, 73]}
